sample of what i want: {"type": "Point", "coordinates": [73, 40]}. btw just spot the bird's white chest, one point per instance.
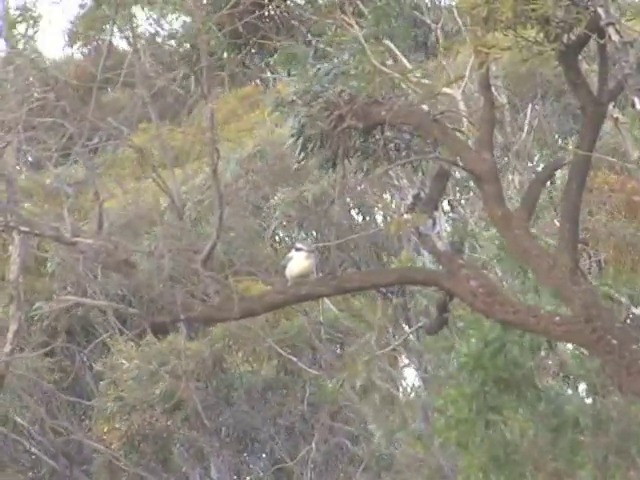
{"type": "Point", "coordinates": [300, 266]}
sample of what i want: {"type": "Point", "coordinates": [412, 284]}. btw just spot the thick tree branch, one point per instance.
{"type": "Point", "coordinates": [582, 39]}
{"type": "Point", "coordinates": [626, 52]}
{"type": "Point", "coordinates": [427, 204]}
{"type": "Point", "coordinates": [593, 325]}
{"type": "Point", "coordinates": [603, 65]}
{"type": "Point", "coordinates": [237, 308]}
{"type": "Point", "coordinates": [470, 285]}
{"type": "Point", "coordinates": [612, 342]}
{"type": "Point", "coordinates": [519, 240]}
{"type": "Point", "coordinates": [489, 180]}
{"type": "Point", "coordinates": [568, 58]}
{"type": "Point", "coordinates": [616, 90]}
{"type": "Point", "coordinates": [487, 123]}
{"type": "Point", "coordinates": [369, 114]}
{"type": "Point", "coordinates": [594, 110]}
{"type": "Point", "coordinates": [571, 202]}
{"type": "Point", "coordinates": [437, 320]}
{"type": "Point", "coordinates": [531, 196]}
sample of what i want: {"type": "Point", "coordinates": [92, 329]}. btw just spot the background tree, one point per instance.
{"type": "Point", "coordinates": [467, 172]}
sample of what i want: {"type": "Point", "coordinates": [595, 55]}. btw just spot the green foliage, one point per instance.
{"type": "Point", "coordinates": [304, 390]}
{"type": "Point", "coordinates": [152, 396]}
{"type": "Point", "coordinates": [538, 22]}
{"type": "Point", "coordinates": [503, 423]}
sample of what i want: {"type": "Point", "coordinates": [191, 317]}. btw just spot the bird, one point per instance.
{"type": "Point", "coordinates": [301, 263]}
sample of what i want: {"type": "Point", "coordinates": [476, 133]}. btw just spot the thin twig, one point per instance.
{"type": "Point", "coordinates": [69, 300]}
{"type": "Point", "coordinates": [292, 358]}
{"type": "Point", "coordinates": [213, 151]}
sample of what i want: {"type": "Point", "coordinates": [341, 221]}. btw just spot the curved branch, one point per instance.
{"type": "Point", "coordinates": [437, 321]}
{"type": "Point", "coordinates": [531, 196]}
{"type": "Point", "coordinates": [616, 89]}
{"type": "Point", "coordinates": [568, 57]}
{"type": "Point", "coordinates": [427, 203]}
{"type": "Point", "coordinates": [582, 39]}
{"type": "Point", "coordinates": [115, 256]}
{"type": "Point", "coordinates": [466, 282]}
{"type": "Point", "coordinates": [520, 242]}
{"type": "Point", "coordinates": [489, 184]}
{"type": "Point", "coordinates": [238, 308]}
{"type": "Point", "coordinates": [594, 110]}
{"type": "Point", "coordinates": [372, 113]}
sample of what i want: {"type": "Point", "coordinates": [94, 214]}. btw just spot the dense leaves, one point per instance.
{"type": "Point", "coordinates": [166, 169]}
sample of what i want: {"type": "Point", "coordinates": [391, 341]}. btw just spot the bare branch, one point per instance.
{"type": "Point", "coordinates": [435, 323]}
{"type": "Point", "coordinates": [531, 196]}
{"type": "Point", "coordinates": [158, 179]}
{"type": "Point", "coordinates": [15, 221]}
{"type": "Point", "coordinates": [488, 178]}
{"type": "Point", "coordinates": [487, 124]}
{"type": "Point", "coordinates": [214, 162]}
{"type": "Point", "coordinates": [211, 135]}
{"type": "Point", "coordinates": [370, 114]}
{"type": "Point", "coordinates": [427, 204]}
{"type": "Point", "coordinates": [620, 123]}
{"type": "Point", "coordinates": [15, 309]}
{"type": "Point", "coordinates": [568, 58]}
{"type": "Point", "coordinates": [616, 90]}
{"type": "Point", "coordinates": [626, 53]}
{"type": "Point", "coordinates": [99, 212]}
{"type": "Point", "coordinates": [582, 39]}
{"type": "Point", "coordinates": [603, 66]}
{"type": "Point", "coordinates": [66, 301]}
{"type": "Point", "coordinates": [571, 202]}
{"type": "Point", "coordinates": [292, 358]}
{"type": "Point", "coordinates": [594, 109]}
{"type": "Point", "coordinates": [465, 282]}
{"type": "Point", "coordinates": [113, 255]}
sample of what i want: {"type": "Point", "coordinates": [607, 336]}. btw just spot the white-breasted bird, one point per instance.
{"type": "Point", "coordinates": [301, 263]}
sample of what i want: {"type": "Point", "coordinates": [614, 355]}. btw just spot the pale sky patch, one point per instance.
{"type": "Point", "coordinates": [56, 17]}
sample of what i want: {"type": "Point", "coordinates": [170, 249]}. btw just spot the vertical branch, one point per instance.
{"type": "Point", "coordinates": [99, 211]}
{"type": "Point", "coordinates": [211, 136]}
{"type": "Point", "coordinates": [483, 156]}
{"type": "Point", "coordinates": [621, 125]}
{"type": "Point", "coordinates": [17, 252]}
{"type": "Point", "coordinates": [602, 87]}
{"type": "Point", "coordinates": [172, 190]}
{"type": "Point", "coordinates": [487, 124]}
{"type": "Point", "coordinates": [594, 111]}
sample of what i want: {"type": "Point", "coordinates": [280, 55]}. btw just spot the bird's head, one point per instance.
{"type": "Point", "coordinates": [299, 251]}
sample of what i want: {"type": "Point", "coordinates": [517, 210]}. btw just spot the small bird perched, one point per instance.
{"type": "Point", "coordinates": [301, 263]}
